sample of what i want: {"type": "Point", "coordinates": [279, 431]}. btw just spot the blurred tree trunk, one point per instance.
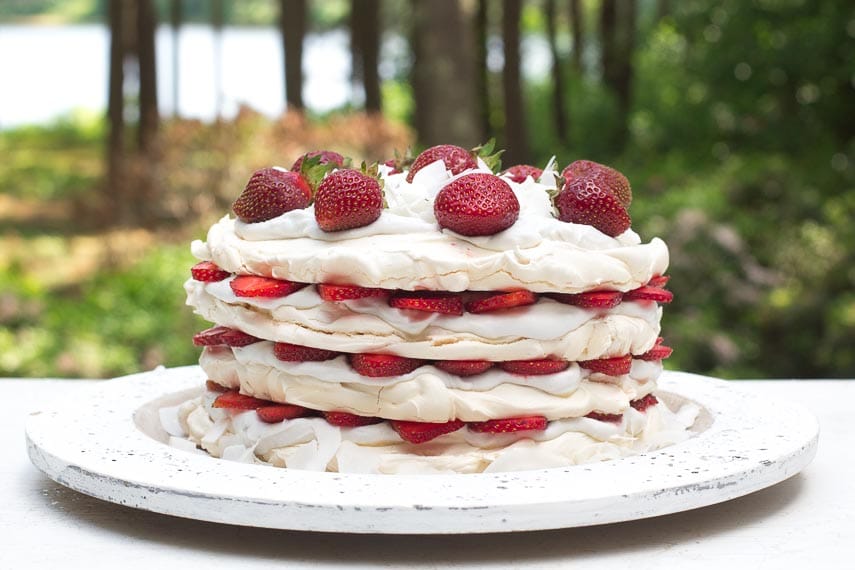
{"type": "Point", "coordinates": [149, 116]}
{"type": "Point", "coordinates": [608, 48]}
{"type": "Point", "coordinates": [663, 9]}
{"type": "Point", "coordinates": [292, 23]}
{"type": "Point", "coordinates": [558, 97]}
{"type": "Point", "coordinates": [115, 186]}
{"type": "Point", "coordinates": [217, 21]}
{"type": "Point", "coordinates": [482, 78]}
{"type": "Point", "coordinates": [516, 142]}
{"type": "Point", "coordinates": [365, 49]}
{"type": "Point", "coordinates": [617, 31]}
{"type": "Point", "coordinates": [176, 16]}
{"type": "Point", "coordinates": [444, 74]}
{"type": "Point", "coordinates": [577, 23]}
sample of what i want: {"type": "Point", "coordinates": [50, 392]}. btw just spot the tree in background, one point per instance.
{"type": "Point", "coordinates": [444, 74]}
{"type": "Point", "coordinates": [365, 49]}
{"type": "Point", "coordinates": [176, 17]}
{"type": "Point", "coordinates": [292, 23]}
{"type": "Point", "coordinates": [482, 81]}
{"type": "Point", "coordinates": [577, 24]}
{"type": "Point", "coordinates": [558, 87]}
{"type": "Point", "coordinates": [515, 138]}
{"type": "Point", "coordinates": [617, 41]}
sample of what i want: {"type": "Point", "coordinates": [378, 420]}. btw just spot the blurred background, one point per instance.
{"type": "Point", "coordinates": [127, 127]}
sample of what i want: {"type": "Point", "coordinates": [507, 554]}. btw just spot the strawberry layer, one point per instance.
{"type": "Point", "coordinates": [547, 328]}
{"type": "Point", "coordinates": [427, 394]}
{"type": "Point", "coordinates": [314, 444]}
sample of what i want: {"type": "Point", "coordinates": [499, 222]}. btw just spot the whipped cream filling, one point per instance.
{"type": "Point", "coordinates": [539, 252]}
{"type": "Point", "coordinates": [547, 328]}
{"type": "Point", "coordinates": [314, 444]}
{"type": "Point", "coordinates": [426, 394]}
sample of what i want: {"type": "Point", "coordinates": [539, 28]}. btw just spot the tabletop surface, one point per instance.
{"type": "Point", "coordinates": [806, 520]}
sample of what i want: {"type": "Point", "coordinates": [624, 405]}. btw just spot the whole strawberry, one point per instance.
{"type": "Point", "coordinates": [477, 204]}
{"type": "Point", "coordinates": [587, 200]}
{"type": "Point", "coordinates": [271, 192]}
{"type": "Point", "coordinates": [606, 176]}
{"type": "Point", "coordinates": [325, 157]}
{"type": "Point", "coordinates": [519, 172]}
{"type": "Point", "coordinates": [347, 199]}
{"type": "Point", "coordinates": [456, 159]}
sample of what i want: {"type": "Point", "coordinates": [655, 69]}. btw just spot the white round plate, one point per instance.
{"type": "Point", "coordinates": [108, 443]}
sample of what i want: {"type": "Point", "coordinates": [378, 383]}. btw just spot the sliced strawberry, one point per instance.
{"type": "Point", "coordinates": [288, 352]}
{"type": "Point", "coordinates": [659, 281]}
{"type": "Point", "coordinates": [658, 352]}
{"type": "Point", "coordinates": [214, 387]}
{"type": "Point", "coordinates": [345, 419]}
{"type": "Point", "coordinates": [274, 414]}
{"type": "Point", "coordinates": [428, 301]}
{"type": "Point", "coordinates": [420, 432]}
{"type": "Point", "coordinates": [271, 192]}
{"type": "Point", "coordinates": [464, 367]}
{"type": "Point", "coordinates": [208, 271]}
{"type": "Point", "coordinates": [478, 204]}
{"type": "Point", "coordinates": [502, 301]}
{"type": "Point", "coordinates": [379, 365]}
{"type": "Point", "coordinates": [611, 418]}
{"type": "Point", "coordinates": [534, 367]}
{"type": "Point", "coordinates": [647, 293]}
{"type": "Point", "coordinates": [255, 286]}
{"type": "Point", "coordinates": [590, 299]}
{"type": "Point", "coordinates": [330, 292]}
{"type": "Point", "coordinates": [642, 404]}
{"type": "Point", "coordinates": [455, 158]}
{"type": "Point", "coordinates": [508, 425]}
{"type": "Point", "coordinates": [347, 199]}
{"type": "Point", "coordinates": [519, 172]}
{"type": "Point", "coordinates": [588, 200]}
{"type": "Point", "coordinates": [223, 336]}
{"type": "Point", "coordinates": [236, 401]}
{"type": "Point", "coordinates": [616, 366]}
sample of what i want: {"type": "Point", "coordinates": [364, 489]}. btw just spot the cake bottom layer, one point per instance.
{"type": "Point", "coordinates": [314, 444]}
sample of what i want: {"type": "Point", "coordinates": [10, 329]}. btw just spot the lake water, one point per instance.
{"type": "Point", "coordinates": [50, 71]}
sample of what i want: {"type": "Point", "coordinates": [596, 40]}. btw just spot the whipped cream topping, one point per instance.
{"type": "Point", "coordinates": [547, 328]}
{"type": "Point", "coordinates": [405, 248]}
{"type": "Point", "coordinates": [427, 394]}
{"type": "Point", "coordinates": [314, 444]}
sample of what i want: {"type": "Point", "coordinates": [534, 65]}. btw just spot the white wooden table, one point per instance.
{"type": "Point", "coordinates": [806, 521]}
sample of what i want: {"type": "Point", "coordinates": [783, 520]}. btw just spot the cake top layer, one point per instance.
{"type": "Point", "coordinates": [405, 248]}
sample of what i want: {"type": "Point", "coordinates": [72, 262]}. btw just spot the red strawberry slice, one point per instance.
{"type": "Point", "coordinates": [616, 366]}
{"type": "Point", "coordinates": [456, 159]}
{"type": "Point", "coordinates": [212, 386]}
{"type": "Point", "coordinates": [345, 419]}
{"type": "Point", "coordinates": [394, 166]}
{"type": "Point", "coordinates": [588, 200]}
{"type": "Point", "coordinates": [223, 336]}
{"type": "Point", "coordinates": [508, 425]}
{"type": "Point", "coordinates": [502, 301]}
{"type": "Point", "coordinates": [428, 301]}
{"type": "Point", "coordinates": [280, 412]}
{"type": "Point", "coordinates": [236, 401]}
{"type": "Point", "coordinates": [659, 281]}
{"type": "Point", "coordinates": [336, 293]}
{"type": "Point", "coordinates": [611, 418]}
{"type": "Point", "coordinates": [519, 172]}
{"type": "Point", "coordinates": [590, 299]}
{"type": "Point", "coordinates": [255, 286]}
{"type": "Point", "coordinates": [325, 157]}
{"type": "Point", "coordinates": [658, 352]}
{"type": "Point", "coordinates": [380, 365]}
{"type": "Point", "coordinates": [464, 367]}
{"type": "Point", "coordinates": [208, 272]}
{"type": "Point", "coordinates": [534, 367]}
{"type": "Point", "coordinates": [642, 404]}
{"type": "Point", "coordinates": [347, 199]}
{"type": "Point", "coordinates": [606, 176]}
{"type": "Point", "coordinates": [420, 432]}
{"type": "Point", "coordinates": [271, 192]}
{"type": "Point", "coordinates": [647, 293]}
{"type": "Point", "coordinates": [478, 204]}
{"type": "Point", "coordinates": [296, 353]}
